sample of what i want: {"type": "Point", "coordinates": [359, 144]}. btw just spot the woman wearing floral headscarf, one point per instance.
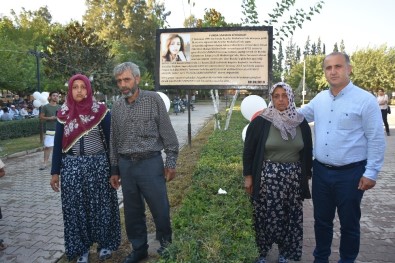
{"type": "Point", "coordinates": [89, 203]}
{"type": "Point", "coordinates": [277, 162]}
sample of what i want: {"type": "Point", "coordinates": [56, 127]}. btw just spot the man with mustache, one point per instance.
{"type": "Point", "coordinates": [140, 130]}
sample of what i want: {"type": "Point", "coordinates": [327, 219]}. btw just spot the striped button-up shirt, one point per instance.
{"type": "Point", "coordinates": [140, 128]}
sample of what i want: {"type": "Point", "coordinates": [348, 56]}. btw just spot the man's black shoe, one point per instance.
{"type": "Point", "coordinates": [136, 256]}
{"type": "Point", "coordinates": [161, 250]}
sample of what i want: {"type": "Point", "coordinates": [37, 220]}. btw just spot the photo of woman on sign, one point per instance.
{"type": "Point", "coordinates": [174, 49]}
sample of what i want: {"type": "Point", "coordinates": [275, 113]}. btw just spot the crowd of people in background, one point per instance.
{"type": "Point", "coordinates": [18, 109]}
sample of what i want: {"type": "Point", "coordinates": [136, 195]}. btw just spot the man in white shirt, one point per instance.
{"type": "Point", "coordinates": [349, 148]}
{"type": "Point", "coordinates": [13, 111]}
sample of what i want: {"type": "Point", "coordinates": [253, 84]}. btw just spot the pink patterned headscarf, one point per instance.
{"type": "Point", "coordinates": [286, 121]}
{"type": "Point", "coordinates": [79, 117]}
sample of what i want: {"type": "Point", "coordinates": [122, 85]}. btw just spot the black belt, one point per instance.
{"type": "Point", "coordinates": [140, 156]}
{"type": "Point", "coordinates": [343, 167]}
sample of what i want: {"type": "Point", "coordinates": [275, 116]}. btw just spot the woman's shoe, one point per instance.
{"type": "Point", "coordinates": [282, 259]}
{"type": "Point", "coordinates": [84, 258]}
{"type": "Point", "coordinates": [2, 245]}
{"type": "Point", "coordinates": [105, 254]}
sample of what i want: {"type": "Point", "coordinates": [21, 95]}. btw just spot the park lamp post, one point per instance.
{"type": "Point", "coordinates": [38, 55]}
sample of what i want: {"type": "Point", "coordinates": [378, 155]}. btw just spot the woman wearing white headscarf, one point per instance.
{"type": "Point", "coordinates": [277, 162]}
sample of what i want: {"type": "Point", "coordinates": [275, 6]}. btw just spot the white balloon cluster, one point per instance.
{"type": "Point", "coordinates": [250, 107]}
{"type": "Point", "coordinates": [40, 99]}
{"type": "Point", "coordinates": [165, 99]}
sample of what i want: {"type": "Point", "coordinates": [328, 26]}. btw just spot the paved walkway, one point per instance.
{"type": "Point", "coordinates": [32, 223]}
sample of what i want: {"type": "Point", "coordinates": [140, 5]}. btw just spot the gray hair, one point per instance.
{"type": "Point", "coordinates": [337, 53]}
{"type": "Point", "coordinates": [119, 69]}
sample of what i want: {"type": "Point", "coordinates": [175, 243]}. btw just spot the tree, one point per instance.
{"type": "Point", "coordinates": [249, 12]}
{"type": "Point", "coordinates": [212, 18]}
{"type": "Point", "coordinates": [374, 68]}
{"type": "Point", "coordinates": [278, 65]}
{"type": "Point", "coordinates": [307, 50]}
{"type": "Point", "coordinates": [319, 51]}
{"type": "Point", "coordinates": [290, 55]}
{"type": "Point", "coordinates": [298, 54]}
{"type": "Point", "coordinates": [33, 25]}
{"type": "Point", "coordinates": [128, 23]}
{"type": "Point", "coordinates": [77, 49]}
{"type": "Point", "coordinates": [190, 22]}
{"type": "Point", "coordinates": [288, 27]}
{"type": "Point", "coordinates": [314, 77]}
{"type": "Point", "coordinates": [335, 48]}
{"type": "Point", "coordinates": [16, 67]}
{"type": "Point", "coordinates": [342, 46]}
{"type": "Point", "coordinates": [19, 35]}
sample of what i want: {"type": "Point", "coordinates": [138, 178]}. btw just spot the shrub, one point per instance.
{"type": "Point", "coordinates": [19, 128]}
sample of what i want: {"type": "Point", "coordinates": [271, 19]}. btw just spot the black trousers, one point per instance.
{"type": "Point", "coordinates": [144, 181]}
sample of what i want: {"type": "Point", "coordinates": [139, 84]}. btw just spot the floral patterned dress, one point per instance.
{"type": "Point", "coordinates": [278, 213]}
{"type": "Point", "coordinates": [89, 204]}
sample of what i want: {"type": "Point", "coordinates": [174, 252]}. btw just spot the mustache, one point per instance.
{"type": "Point", "coordinates": [131, 92]}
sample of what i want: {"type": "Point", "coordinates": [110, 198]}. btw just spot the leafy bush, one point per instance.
{"type": "Point", "coordinates": [209, 227]}
{"type": "Point", "coordinates": [19, 128]}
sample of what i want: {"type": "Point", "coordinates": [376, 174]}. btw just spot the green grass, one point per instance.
{"type": "Point", "coordinates": [11, 146]}
{"type": "Point", "coordinates": [216, 228]}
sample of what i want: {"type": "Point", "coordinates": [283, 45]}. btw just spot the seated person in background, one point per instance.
{"type": "Point", "coordinates": [6, 115]}
{"type": "Point", "coordinates": [35, 112]}
{"type": "Point", "coordinates": [13, 111]}
{"type": "Point", "coordinates": [24, 112]}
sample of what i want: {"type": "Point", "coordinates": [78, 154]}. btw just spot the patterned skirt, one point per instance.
{"type": "Point", "coordinates": [278, 211]}
{"type": "Point", "coordinates": [89, 204]}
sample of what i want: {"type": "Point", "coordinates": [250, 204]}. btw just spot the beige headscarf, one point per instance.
{"type": "Point", "coordinates": [286, 121]}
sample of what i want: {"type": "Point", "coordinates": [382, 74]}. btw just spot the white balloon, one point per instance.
{"type": "Point", "coordinates": [165, 99]}
{"type": "Point", "coordinates": [37, 103]}
{"type": "Point", "coordinates": [244, 132]}
{"type": "Point", "coordinates": [44, 97]}
{"type": "Point", "coordinates": [251, 104]}
{"type": "Point", "coordinates": [36, 95]}
{"type": "Point", "coordinates": [45, 94]}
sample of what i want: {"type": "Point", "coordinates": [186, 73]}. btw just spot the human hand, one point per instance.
{"type": "Point", "coordinates": [55, 182]}
{"type": "Point", "coordinates": [248, 184]}
{"type": "Point", "coordinates": [366, 183]}
{"type": "Point", "coordinates": [115, 181]}
{"type": "Point", "coordinates": [182, 56]}
{"type": "Point", "coordinates": [170, 174]}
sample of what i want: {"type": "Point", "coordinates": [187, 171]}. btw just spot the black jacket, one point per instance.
{"type": "Point", "coordinates": [253, 155]}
